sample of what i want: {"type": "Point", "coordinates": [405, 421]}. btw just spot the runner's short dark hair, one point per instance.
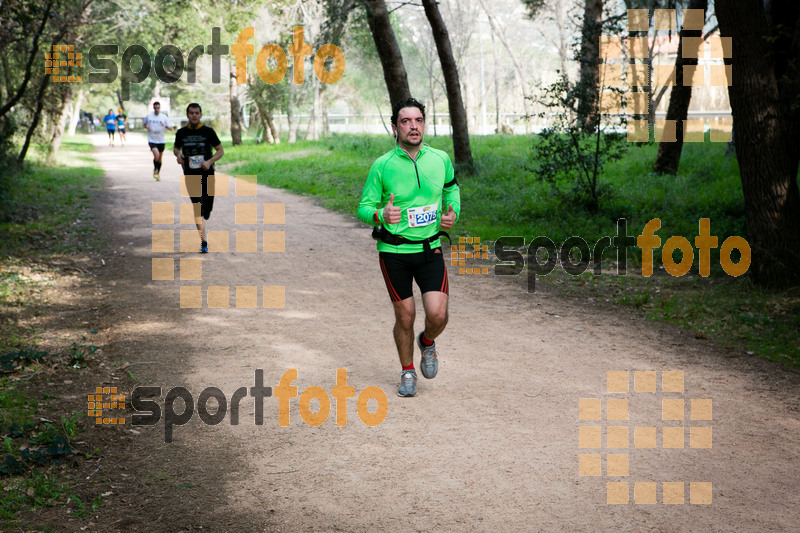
{"type": "Point", "coordinates": [409, 102]}
{"type": "Point", "coordinates": [194, 104]}
{"type": "Point", "coordinates": [156, 103]}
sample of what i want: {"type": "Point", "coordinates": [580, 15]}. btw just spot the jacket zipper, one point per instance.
{"type": "Point", "coordinates": [416, 170]}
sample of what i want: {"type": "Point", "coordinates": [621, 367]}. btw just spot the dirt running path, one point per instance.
{"type": "Point", "coordinates": [491, 444]}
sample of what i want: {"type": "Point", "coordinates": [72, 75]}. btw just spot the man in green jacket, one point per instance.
{"type": "Point", "coordinates": [411, 195]}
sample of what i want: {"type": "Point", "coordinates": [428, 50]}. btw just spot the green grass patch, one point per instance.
{"type": "Point", "coordinates": [49, 211]}
{"type": "Point", "coordinates": [49, 220]}
{"type": "Point", "coordinates": [30, 448]}
{"type": "Point", "coordinates": [30, 453]}
{"type": "Point", "coordinates": [47, 227]}
{"type": "Point", "coordinates": [16, 409]}
{"type": "Point", "coordinates": [729, 311]}
{"type": "Point", "coordinates": [503, 197]}
{"type": "Point", "coordinates": [33, 492]}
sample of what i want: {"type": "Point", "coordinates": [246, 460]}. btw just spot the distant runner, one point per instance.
{"type": "Point", "coordinates": [403, 200]}
{"type": "Point", "coordinates": [156, 123]}
{"type": "Point", "coordinates": [193, 144]}
{"type": "Point", "coordinates": [110, 120]}
{"type": "Point", "coordinates": [122, 124]}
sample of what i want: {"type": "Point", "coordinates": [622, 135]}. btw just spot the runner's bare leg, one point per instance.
{"type": "Point", "coordinates": [436, 316]}
{"type": "Point", "coordinates": [156, 159]}
{"type": "Point", "coordinates": [200, 222]}
{"type": "Point", "coordinates": [404, 313]}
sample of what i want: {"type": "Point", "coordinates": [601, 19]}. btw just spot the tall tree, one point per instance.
{"type": "Point", "coordinates": [267, 99]}
{"type": "Point", "coordinates": [333, 30]}
{"type": "Point", "coordinates": [237, 17]}
{"type": "Point", "coordinates": [235, 107]}
{"type": "Point", "coordinates": [60, 122]}
{"type": "Point", "coordinates": [458, 117]}
{"type": "Point", "coordinates": [66, 27]}
{"type": "Point", "coordinates": [40, 102]}
{"type": "Point", "coordinates": [498, 31]}
{"type": "Point", "coordinates": [394, 71]}
{"type": "Point", "coordinates": [555, 10]}
{"type": "Point", "coordinates": [765, 102]}
{"type": "Point", "coordinates": [15, 30]}
{"type": "Point", "coordinates": [669, 152]}
{"type": "Point", "coordinates": [589, 70]}
{"type": "Point", "coordinates": [75, 115]}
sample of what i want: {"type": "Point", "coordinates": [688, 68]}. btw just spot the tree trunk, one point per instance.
{"type": "Point", "coordinates": [767, 129]}
{"type": "Point", "coordinates": [275, 134]}
{"type": "Point", "coordinates": [76, 112]}
{"type": "Point", "coordinates": [236, 115]}
{"type": "Point", "coordinates": [155, 94]}
{"type": "Point", "coordinates": [394, 72]}
{"type": "Point", "coordinates": [589, 71]}
{"type": "Point", "coordinates": [483, 86]}
{"type": "Point", "coordinates": [517, 66]}
{"type": "Point", "coordinates": [731, 144]}
{"type": "Point", "coordinates": [266, 136]}
{"type": "Point", "coordinates": [496, 88]}
{"type": "Point", "coordinates": [458, 117]}
{"type": "Point", "coordinates": [312, 134]}
{"type": "Point", "coordinates": [6, 107]}
{"type": "Point", "coordinates": [7, 75]}
{"type": "Point", "coordinates": [290, 115]}
{"type": "Point", "coordinates": [323, 103]}
{"type": "Point", "coordinates": [654, 101]}
{"type": "Point", "coordinates": [563, 45]}
{"type": "Point", "coordinates": [669, 152]}
{"type": "Point", "coordinates": [312, 126]}
{"type": "Point", "coordinates": [253, 117]}
{"type": "Point", "coordinates": [35, 120]}
{"type": "Point", "coordinates": [433, 104]}
{"type": "Point", "coordinates": [60, 124]}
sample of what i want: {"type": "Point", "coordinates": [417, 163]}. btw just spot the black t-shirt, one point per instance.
{"type": "Point", "coordinates": [196, 145]}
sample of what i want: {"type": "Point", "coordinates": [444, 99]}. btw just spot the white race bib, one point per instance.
{"type": "Point", "coordinates": [195, 161]}
{"type": "Point", "coordinates": [422, 216]}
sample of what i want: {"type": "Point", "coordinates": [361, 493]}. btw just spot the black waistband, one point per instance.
{"type": "Point", "coordinates": [382, 234]}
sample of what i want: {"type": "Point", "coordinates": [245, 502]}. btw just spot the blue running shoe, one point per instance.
{"type": "Point", "coordinates": [430, 359]}
{"type": "Point", "coordinates": [408, 384]}
{"type": "Point", "coordinates": [204, 248]}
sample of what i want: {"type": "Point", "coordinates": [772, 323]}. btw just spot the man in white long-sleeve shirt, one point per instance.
{"type": "Point", "coordinates": [155, 123]}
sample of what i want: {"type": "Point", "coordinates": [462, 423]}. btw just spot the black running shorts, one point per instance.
{"type": "Point", "coordinates": [160, 146]}
{"type": "Point", "coordinates": [206, 201]}
{"type": "Point", "coordinates": [400, 269]}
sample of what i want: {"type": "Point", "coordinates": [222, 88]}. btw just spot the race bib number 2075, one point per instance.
{"type": "Point", "coordinates": [422, 216]}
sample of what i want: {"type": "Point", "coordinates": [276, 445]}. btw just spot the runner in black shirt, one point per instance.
{"type": "Point", "coordinates": [193, 145]}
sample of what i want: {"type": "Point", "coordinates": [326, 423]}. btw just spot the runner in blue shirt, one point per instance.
{"type": "Point", "coordinates": [110, 120]}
